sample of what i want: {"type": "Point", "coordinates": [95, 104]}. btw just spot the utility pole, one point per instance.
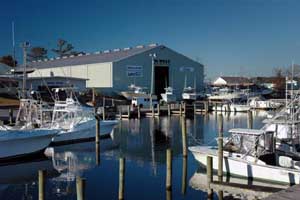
{"type": "Point", "coordinates": [153, 56]}
{"type": "Point", "coordinates": [25, 46]}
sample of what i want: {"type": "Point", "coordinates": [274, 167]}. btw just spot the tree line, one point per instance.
{"type": "Point", "coordinates": [63, 48]}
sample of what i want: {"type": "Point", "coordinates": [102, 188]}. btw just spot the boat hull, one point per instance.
{"type": "Point", "coordinates": [243, 168]}
{"type": "Point", "coordinates": [22, 142]}
{"type": "Point", "coordinates": [85, 130]}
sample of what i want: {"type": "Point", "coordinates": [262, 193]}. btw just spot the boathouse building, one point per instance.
{"type": "Point", "coordinates": [112, 71]}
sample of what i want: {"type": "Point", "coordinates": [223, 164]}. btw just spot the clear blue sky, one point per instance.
{"type": "Point", "coordinates": [230, 37]}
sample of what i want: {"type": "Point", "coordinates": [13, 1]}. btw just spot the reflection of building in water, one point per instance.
{"type": "Point", "coordinates": [155, 135]}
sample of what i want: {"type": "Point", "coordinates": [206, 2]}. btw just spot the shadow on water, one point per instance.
{"type": "Point", "coordinates": [78, 169]}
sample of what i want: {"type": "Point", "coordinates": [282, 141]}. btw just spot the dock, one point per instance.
{"type": "Point", "coordinates": [291, 193]}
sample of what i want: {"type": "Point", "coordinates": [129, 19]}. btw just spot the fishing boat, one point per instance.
{"type": "Point", "coordinates": [76, 121]}
{"type": "Point", "coordinates": [15, 142]}
{"type": "Point", "coordinates": [261, 103]}
{"type": "Point", "coordinates": [252, 153]}
{"type": "Point", "coordinates": [134, 91]}
{"type": "Point", "coordinates": [168, 96]}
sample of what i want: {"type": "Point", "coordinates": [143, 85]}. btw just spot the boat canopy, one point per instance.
{"type": "Point", "coordinates": [245, 131]}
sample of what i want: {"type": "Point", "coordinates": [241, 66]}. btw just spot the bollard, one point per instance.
{"type": "Point", "coordinates": [139, 111]}
{"type": "Point", "coordinates": [121, 177]}
{"type": "Point", "coordinates": [184, 175]}
{"type": "Point", "coordinates": [250, 120]}
{"type": "Point", "coordinates": [11, 116]}
{"type": "Point", "coordinates": [169, 170]}
{"type": "Point", "coordinates": [128, 110]}
{"type": "Point", "coordinates": [220, 148]}
{"type": "Point", "coordinates": [209, 174]}
{"type": "Point", "coordinates": [169, 110]}
{"type": "Point", "coordinates": [97, 137]}
{"type": "Point", "coordinates": [184, 139]}
{"type": "Point", "coordinates": [42, 174]}
{"type": "Point", "coordinates": [80, 188]}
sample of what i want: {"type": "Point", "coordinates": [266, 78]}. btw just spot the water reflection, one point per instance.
{"type": "Point", "coordinates": [142, 143]}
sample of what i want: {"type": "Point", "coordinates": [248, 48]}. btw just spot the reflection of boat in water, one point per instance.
{"type": "Point", "coordinates": [72, 160]}
{"type": "Point", "coordinates": [199, 182]}
{"type": "Point", "coordinates": [23, 175]}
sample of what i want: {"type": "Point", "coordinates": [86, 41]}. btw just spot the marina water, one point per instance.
{"type": "Point", "coordinates": [143, 144]}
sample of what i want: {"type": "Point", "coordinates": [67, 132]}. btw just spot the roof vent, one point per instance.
{"type": "Point", "coordinates": [153, 45]}
{"type": "Point", "coordinates": [127, 48]}
{"type": "Point", "coordinates": [116, 50]}
{"type": "Point", "coordinates": [106, 51]}
{"type": "Point", "coordinates": [140, 46]}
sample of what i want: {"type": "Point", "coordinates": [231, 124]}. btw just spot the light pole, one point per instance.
{"type": "Point", "coordinates": [153, 56]}
{"type": "Point", "coordinates": [24, 46]}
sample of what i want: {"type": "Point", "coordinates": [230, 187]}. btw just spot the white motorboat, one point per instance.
{"type": "Point", "coordinates": [251, 153]}
{"type": "Point", "coordinates": [168, 96]}
{"type": "Point", "coordinates": [260, 103]}
{"type": "Point", "coordinates": [134, 91]}
{"type": "Point", "coordinates": [16, 142]}
{"type": "Point", "coordinates": [231, 107]}
{"type": "Point", "coordinates": [189, 93]}
{"type": "Point", "coordinates": [76, 121]}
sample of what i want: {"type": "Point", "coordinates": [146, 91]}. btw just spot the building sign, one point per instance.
{"type": "Point", "coordinates": [186, 69]}
{"type": "Point", "coordinates": [134, 71]}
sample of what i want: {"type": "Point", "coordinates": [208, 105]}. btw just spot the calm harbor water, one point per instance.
{"type": "Point", "coordinates": [142, 143]}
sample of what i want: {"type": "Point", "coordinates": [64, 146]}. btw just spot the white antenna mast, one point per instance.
{"type": "Point", "coordinates": [13, 42]}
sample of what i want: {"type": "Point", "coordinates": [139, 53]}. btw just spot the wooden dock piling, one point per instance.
{"type": "Point", "coordinates": [250, 120]}
{"type": "Point", "coordinates": [195, 108]}
{"type": "Point", "coordinates": [180, 109]}
{"type": "Point", "coordinates": [11, 116]}
{"type": "Point", "coordinates": [184, 138]}
{"type": "Point", "coordinates": [209, 174]}
{"type": "Point", "coordinates": [220, 148]}
{"type": "Point", "coordinates": [97, 149]}
{"type": "Point", "coordinates": [128, 110]}
{"type": "Point", "coordinates": [139, 111]}
{"type": "Point", "coordinates": [169, 110]}
{"type": "Point", "coordinates": [97, 137]}
{"type": "Point", "coordinates": [80, 188]}
{"type": "Point", "coordinates": [152, 111]}
{"type": "Point", "coordinates": [121, 178]}
{"type": "Point", "coordinates": [169, 170]}
{"type": "Point", "coordinates": [184, 175]}
{"type": "Point", "coordinates": [42, 175]}
{"type": "Point", "coordinates": [158, 109]}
